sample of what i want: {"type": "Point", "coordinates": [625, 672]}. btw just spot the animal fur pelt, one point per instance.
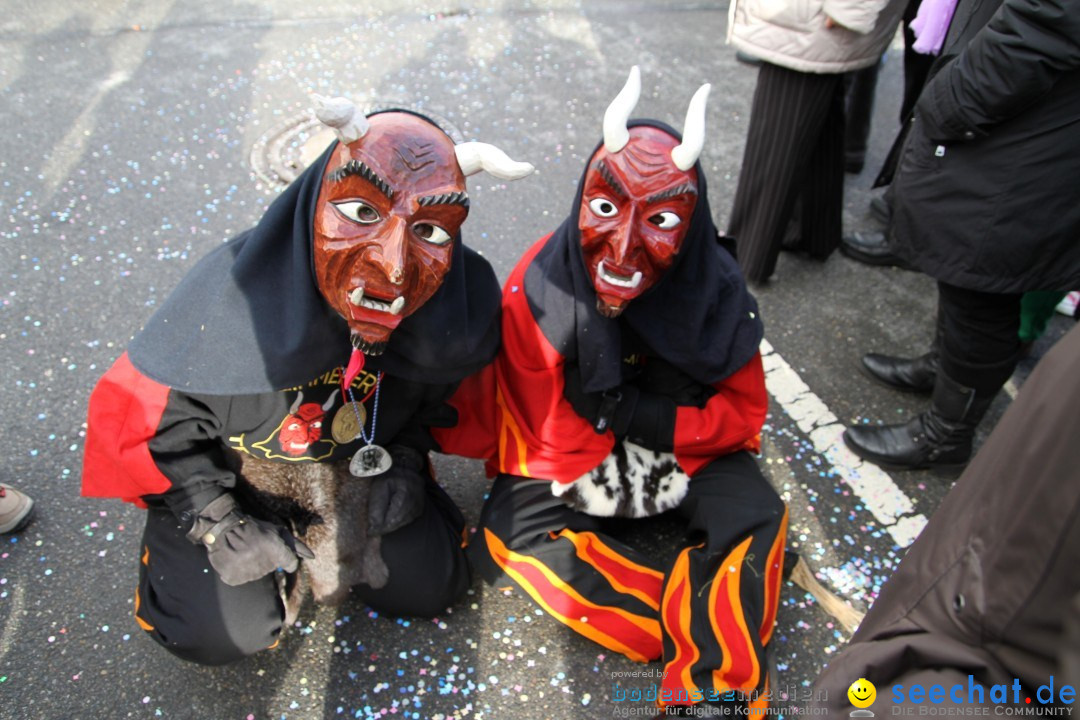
{"type": "Point", "coordinates": [325, 507]}
{"type": "Point", "coordinates": [631, 482]}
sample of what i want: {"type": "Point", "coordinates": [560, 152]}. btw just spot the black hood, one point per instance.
{"type": "Point", "coordinates": [249, 317]}
{"type": "Point", "coordinates": [699, 316]}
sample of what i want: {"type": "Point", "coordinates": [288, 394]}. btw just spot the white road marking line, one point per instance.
{"type": "Point", "coordinates": [843, 577]}
{"type": "Point", "coordinates": [872, 485]}
{"type": "Point", "coordinates": [10, 629]}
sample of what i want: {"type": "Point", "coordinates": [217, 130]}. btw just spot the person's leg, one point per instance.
{"type": "Point", "coordinates": [981, 340]}
{"type": "Point", "coordinates": [586, 580]}
{"type": "Point", "coordinates": [723, 590]}
{"type": "Point", "coordinates": [860, 86]}
{"type": "Point", "coordinates": [426, 562]}
{"type": "Point", "coordinates": [822, 186]}
{"type": "Point", "coordinates": [1036, 309]}
{"type": "Point", "coordinates": [980, 347]}
{"type": "Point", "coordinates": [786, 117]}
{"type": "Point", "coordinates": [185, 607]}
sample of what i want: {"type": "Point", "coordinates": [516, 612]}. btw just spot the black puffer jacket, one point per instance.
{"type": "Point", "coordinates": [987, 192]}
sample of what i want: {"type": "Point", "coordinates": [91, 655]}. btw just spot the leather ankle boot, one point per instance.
{"type": "Point", "coordinates": [915, 375]}
{"type": "Point", "coordinates": [939, 438]}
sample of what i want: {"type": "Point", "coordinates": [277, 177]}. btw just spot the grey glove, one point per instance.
{"type": "Point", "coordinates": [398, 495]}
{"type": "Point", "coordinates": [242, 548]}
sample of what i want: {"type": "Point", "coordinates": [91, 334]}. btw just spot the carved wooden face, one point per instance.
{"type": "Point", "coordinates": [635, 211]}
{"type": "Point", "coordinates": [389, 209]}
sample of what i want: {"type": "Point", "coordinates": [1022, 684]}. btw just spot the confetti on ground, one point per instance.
{"type": "Point", "coordinates": [141, 168]}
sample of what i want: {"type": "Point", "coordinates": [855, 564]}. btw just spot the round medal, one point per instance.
{"type": "Point", "coordinates": [348, 421]}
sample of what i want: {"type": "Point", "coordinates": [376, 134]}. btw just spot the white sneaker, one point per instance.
{"type": "Point", "coordinates": [15, 509]}
{"type": "Point", "coordinates": [1067, 306]}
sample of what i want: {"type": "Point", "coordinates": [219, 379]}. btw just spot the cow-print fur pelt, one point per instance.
{"type": "Point", "coordinates": [325, 507]}
{"type": "Point", "coordinates": [631, 482]}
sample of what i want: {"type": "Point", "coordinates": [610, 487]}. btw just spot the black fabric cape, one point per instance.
{"type": "Point", "coordinates": [699, 316]}
{"type": "Point", "coordinates": [249, 317]}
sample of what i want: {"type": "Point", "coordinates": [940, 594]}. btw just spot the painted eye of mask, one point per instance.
{"type": "Point", "coordinates": [431, 233]}
{"type": "Point", "coordinates": [358, 211]}
{"type": "Point", "coordinates": [603, 207]}
{"type": "Point", "coordinates": [665, 220]}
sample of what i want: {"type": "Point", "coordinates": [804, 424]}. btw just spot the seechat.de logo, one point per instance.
{"type": "Point", "coordinates": [1004, 699]}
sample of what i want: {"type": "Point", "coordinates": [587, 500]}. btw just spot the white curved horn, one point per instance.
{"type": "Point", "coordinates": [296, 403]}
{"type": "Point", "coordinates": [693, 137]}
{"type": "Point", "coordinates": [473, 157]}
{"type": "Point", "coordinates": [615, 133]}
{"type": "Point", "coordinates": [341, 115]}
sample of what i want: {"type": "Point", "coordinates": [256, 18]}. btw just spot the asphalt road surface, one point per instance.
{"type": "Point", "coordinates": [139, 135]}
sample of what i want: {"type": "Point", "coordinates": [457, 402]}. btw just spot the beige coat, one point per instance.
{"type": "Point", "coordinates": [792, 33]}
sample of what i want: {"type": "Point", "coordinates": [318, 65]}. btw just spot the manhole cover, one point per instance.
{"type": "Point", "coordinates": [283, 152]}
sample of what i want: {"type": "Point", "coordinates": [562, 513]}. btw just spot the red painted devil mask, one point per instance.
{"type": "Point", "coordinates": [639, 193]}
{"type": "Point", "coordinates": [392, 200]}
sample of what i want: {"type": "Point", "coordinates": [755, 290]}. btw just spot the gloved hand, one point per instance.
{"type": "Point", "coordinates": [397, 496]}
{"type": "Point", "coordinates": [242, 548]}
{"type": "Point", "coordinates": [662, 378]}
{"type": "Point", "coordinates": [608, 410]}
{"type": "Point", "coordinates": [646, 418]}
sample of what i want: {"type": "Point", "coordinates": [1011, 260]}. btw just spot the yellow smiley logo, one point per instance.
{"type": "Point", "coordinates": [862, 693]}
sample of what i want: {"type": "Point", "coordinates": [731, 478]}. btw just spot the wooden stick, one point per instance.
{"type": "Point", "coordinates": [844, 614]}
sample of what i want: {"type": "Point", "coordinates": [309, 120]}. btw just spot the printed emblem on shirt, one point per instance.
{"type": "Point", "coordinates": [303, 426]}
{"type": "Point", "coordinates": [316, 423]}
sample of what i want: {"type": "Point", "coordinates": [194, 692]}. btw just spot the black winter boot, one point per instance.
{"type": "Point", "coordinates": [914, 375]}
{"type": "Point", "coordinates": [939, 438]}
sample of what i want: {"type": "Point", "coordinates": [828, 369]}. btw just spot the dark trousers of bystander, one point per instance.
{"type": "Point", "coordinates": [794, 151]}
{"type": "Point", "coordinates": [981, 342]}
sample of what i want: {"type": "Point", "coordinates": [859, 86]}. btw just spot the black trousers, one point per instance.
{"type": "Point", "coordinates": [794, 151]}
{"type": "Point", "coordinates": [860, 89]}
{"type": "Point", "coordinates": [183, 604]}
{"type": "Point", "coordinates": [708, 614]}
{"type": "Point", "coordinates": [916, 64]}
{"type": "Point", "coordinates": [980, 340]}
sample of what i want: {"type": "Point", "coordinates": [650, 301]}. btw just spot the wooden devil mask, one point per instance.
{"type": "Point", "coordinates": [640, 190]}
{"type": "Point", "coordinates": [392, 200]}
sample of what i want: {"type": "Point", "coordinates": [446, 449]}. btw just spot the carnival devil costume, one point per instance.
{"type": "Point", "coordinates": [630, 383]}
{"type": "Point", "coordinates": [245, 363]}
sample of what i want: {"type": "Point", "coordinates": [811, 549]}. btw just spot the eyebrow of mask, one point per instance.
{"type": "Point", "coordinates": [360, 170]}
{"type": "Point", "coordinates": [605, 172]}
{"type": "Point", "coordinates": [685, 188]}
{"type": "Point", "coordinates": [453, 198]}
